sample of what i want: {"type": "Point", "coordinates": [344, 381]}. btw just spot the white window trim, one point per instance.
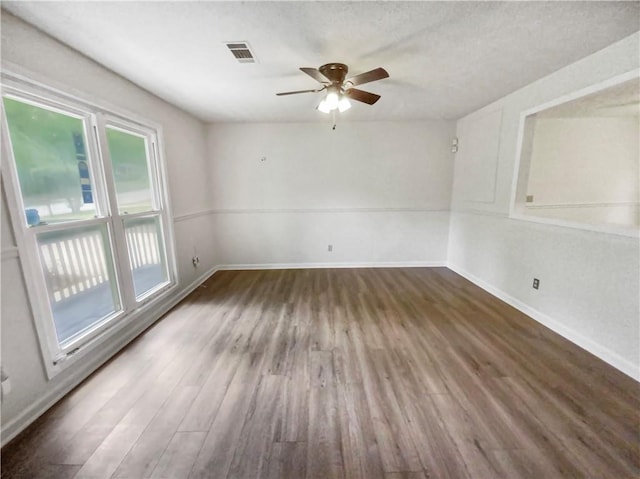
{"type": "Point", "coordinates": [159, 201]}
{"type": "Point", "coordinates": [56, 359]}
{"type": "Point", "coordinates": [620, 230]}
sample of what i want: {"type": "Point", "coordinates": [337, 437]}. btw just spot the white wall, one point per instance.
{"type": "Point", "coordinates": [589, 281]}
{"type": "Point", "coordinates": [585, 169]}
{"type": "Point", "coordinates": [378, 192]}
{"type": "Point", "coordinates": [46, 60]}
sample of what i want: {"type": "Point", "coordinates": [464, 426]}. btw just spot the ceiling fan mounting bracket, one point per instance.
{"type": "Point", "coordinates": [334, 72]}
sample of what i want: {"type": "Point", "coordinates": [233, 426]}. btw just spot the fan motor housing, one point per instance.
{"type": "Point", "coordinates": [335, 72]}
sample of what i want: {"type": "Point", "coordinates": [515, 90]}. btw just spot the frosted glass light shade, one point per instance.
{"type": "Point", "coordinates": [344, 104]}
{"type": "Point", "coordinates": [332, 100]}
{"type": "Point", "coordinates": [324, 107]}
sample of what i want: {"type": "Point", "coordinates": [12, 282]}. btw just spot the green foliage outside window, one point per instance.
{"type": "Point", "coordinates": [45, 154]}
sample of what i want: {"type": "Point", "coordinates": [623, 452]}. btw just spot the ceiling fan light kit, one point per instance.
{"type": "Point", "coordinates": [339, 91]}
{"type": "Point", "coordinates": [335, 100]}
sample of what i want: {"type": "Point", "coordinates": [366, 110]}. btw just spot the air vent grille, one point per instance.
{"type": "Point", "coordinates": [241, 52]}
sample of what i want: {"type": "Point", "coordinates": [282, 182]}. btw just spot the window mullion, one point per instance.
{"type": "Point", "coordinates": [123, 269]}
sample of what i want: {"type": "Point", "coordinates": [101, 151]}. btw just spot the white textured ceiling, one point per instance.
{"type": "Point", "coordinates": [445, 59]}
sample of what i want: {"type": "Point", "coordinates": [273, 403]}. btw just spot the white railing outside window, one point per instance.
{"type": "Point", "coordinates": [73, 264]}
{"type": "Point", "coordinates": [143, 247]}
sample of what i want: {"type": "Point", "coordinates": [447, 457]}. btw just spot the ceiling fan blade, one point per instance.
{"type": "Point", "coordinates": [315, 74]}
{"type": "Point", "coordinates": [373, 75]}
{"type": "Point", "coordinates": [299, 91]}
{"type": "Point", "coordinates": [361, 95]}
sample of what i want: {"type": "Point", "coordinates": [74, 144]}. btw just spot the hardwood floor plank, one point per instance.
{"type": "Point", "coordinates": [251, 458]}
{"type": "Point", "coordinates": [106, 459]}
{"type": "Point", "coordinates": [538, 433]}
{"type": "Point", "coordinates": [341, 373]}
{"type": "Point", "coordinates": [288, 460]}
{"type": "Point", "coordinates": [282, 342]}
{"type": "Point", "coordinates": [405, 475]}
{"type": "Point", "coordinates": [397, 450]}
{"type": "Point", "coordinates": [111, 452]}
{"type": "Point", "coordinates": [323, 416]}
{"type": "Point", "coordinates": [51, 444]}
{"type": "Point", "coordinates": [345, 364]}
{"type": "Point", "coordinates": [321, 369]}
{"type": "Point", "coordinates": [178, 458]}
{"type": "Point", "coordinates": [141, 460]}
{"type": "Point", "coordinates": [324, 456]}
{"type": "Point", "coordinates": [216, 454]}
{"type": "Point", "coordinates": [324, 461]}
{"type": "Point", "coordinates": [360, 452]}
{"type": "Point", "coordinates": [86, 441]}
{"type": "Point", "coordinates": [295, 402]}
{"type": "Point", "coordinates": [203, 409]}
{"type": "Point", "coordinates": [438, 454]}
{"type": "Point", "coordinates": [48, 471]}
{"type": "Point", "coordinates": [465, 437]}
{"type": "Point", "coordinates": [517, 463]}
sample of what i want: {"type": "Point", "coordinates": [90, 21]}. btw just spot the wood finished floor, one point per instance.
{"type": "Point", "coordinates": [338, 373]}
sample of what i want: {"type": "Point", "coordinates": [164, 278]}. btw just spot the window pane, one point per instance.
{"type": "Point", "coordinates": [130, 171]}
{"type": "Point", "coordinates": [52, 163]}
{"type": "Point", "coordinates": [78, 269]}
{"type": "Point", "coordinates": [146, 253]}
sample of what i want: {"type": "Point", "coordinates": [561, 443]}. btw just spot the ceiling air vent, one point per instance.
{"type": "Point", "coordinates": [241, 52]}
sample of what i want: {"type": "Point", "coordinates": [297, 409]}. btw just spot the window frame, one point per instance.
{"type": "Point", "coordinates": [158, 200]}
{"type": "Point", "coordinates": [520, 178]}
{"type": "Point", "coordinates": [55, 356]}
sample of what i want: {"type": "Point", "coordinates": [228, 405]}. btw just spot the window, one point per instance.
{"type": "Point", "coordinates": [136, 202]}
{"type": "Point", "coordinates": [579, 159]}
{"type": "Point", "coordinates": [89, 209]}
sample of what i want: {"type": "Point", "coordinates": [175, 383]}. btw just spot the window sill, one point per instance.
{"type": "Point", "coordinates": [611, 229]}
{"type": "Point", "coordinates": [122, 326]}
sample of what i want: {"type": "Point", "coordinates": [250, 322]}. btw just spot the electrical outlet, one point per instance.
{"type": "Point", "coordinates": [6, 387]}
{"type": "Point", "coordinates": [196, 261]}
{"type": "Point", "coordinates": [330, 248]}
{"type": "Point", "coordinates": [536, 283]}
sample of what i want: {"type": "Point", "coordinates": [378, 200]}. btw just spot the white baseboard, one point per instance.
{"type": "Point", "coordinates": [606, 354]}
{"type": "Point", "coordinates": [102, 355]}
{"type": "Point", "coordinates": [406, 264]}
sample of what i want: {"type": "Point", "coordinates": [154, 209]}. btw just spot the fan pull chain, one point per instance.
{"type": "Point", "coordinates": [334, 120]}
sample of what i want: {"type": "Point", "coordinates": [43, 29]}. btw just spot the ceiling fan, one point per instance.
{"type": "Point", "coordinates": [339, 91]}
